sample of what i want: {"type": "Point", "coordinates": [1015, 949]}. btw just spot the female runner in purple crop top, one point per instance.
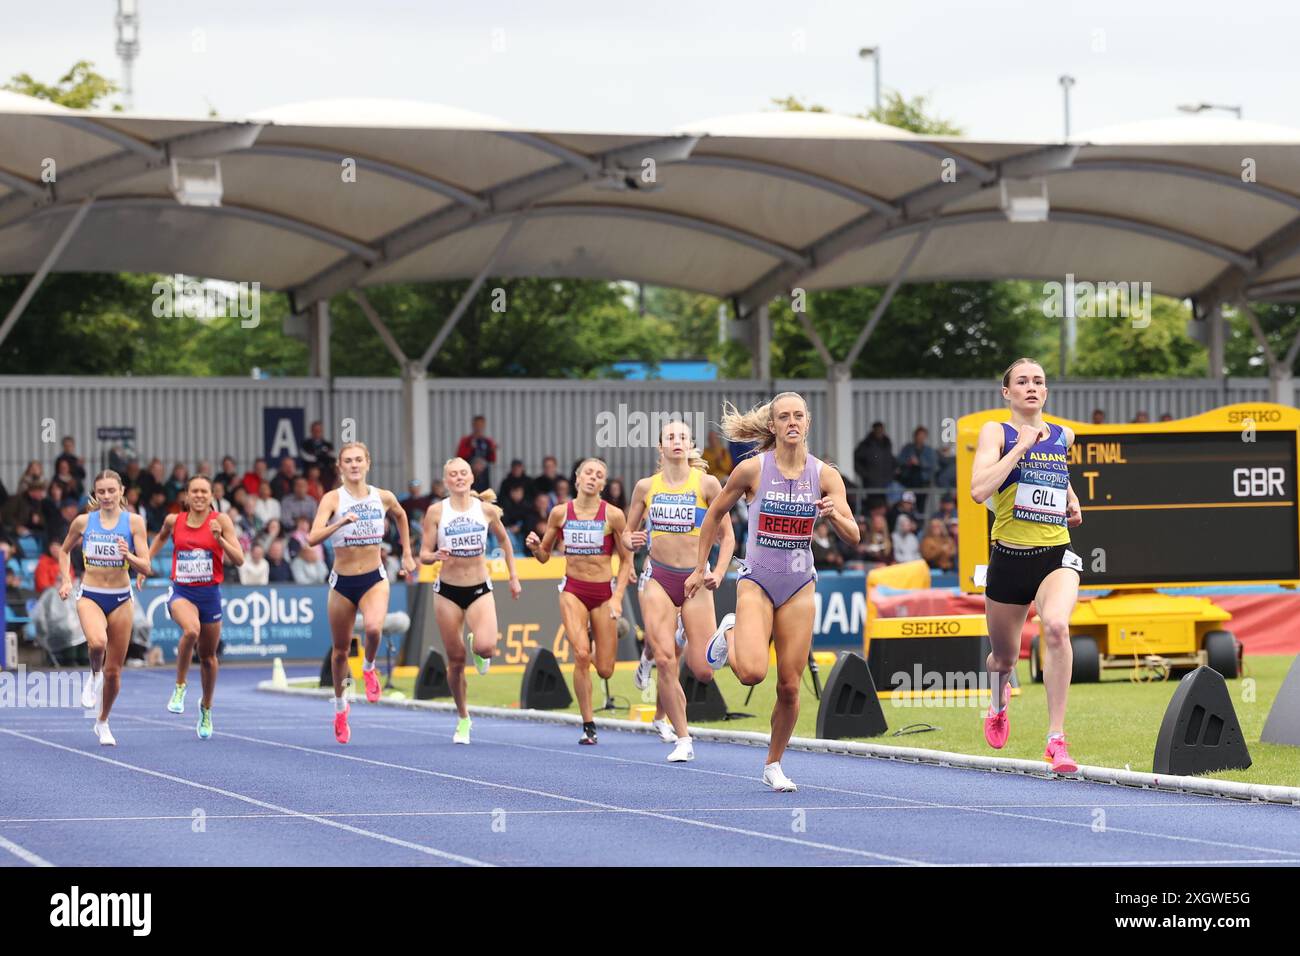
{"type": "Point", "coordinates": [788, 490]}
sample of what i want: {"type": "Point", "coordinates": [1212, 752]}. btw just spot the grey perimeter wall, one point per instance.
{"type": "Point", "coordinates": [191, 419]}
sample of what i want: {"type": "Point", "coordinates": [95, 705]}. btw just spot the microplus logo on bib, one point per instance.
{"type": "Point", "coordinates": [75, 909]}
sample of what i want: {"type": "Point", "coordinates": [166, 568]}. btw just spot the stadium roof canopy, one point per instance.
{"type": "Point", "coordinates": [325, 197]}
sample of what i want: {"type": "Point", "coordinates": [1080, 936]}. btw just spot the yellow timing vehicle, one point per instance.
{"type": "Point", "coordinates": [1206, 500]}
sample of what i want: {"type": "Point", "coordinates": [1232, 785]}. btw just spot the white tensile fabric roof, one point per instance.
{"type": "Point", "coordinates": [744, 207]}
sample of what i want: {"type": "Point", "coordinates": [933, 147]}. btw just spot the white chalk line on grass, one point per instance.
{"type": "Point", "coordinates": [27, 856]}
{"type": "Point", "coordinates": [813, 844]}
{"type": "Point", "coordinates": [420, 848]}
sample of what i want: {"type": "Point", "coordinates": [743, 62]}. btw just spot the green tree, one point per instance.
{"type": "Point", "coordinates": [81, 88]}
{"type": "Point", "coordinates": [1280, 322]}
{"type": "Point", "coordinates": [1116, 348]}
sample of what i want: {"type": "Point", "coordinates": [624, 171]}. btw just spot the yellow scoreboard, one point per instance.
{"type": "Point", "coordinates": [1204, 500]}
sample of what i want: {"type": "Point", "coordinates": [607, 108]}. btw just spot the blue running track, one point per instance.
{"type": "Point", "coordinates": [274, 788]}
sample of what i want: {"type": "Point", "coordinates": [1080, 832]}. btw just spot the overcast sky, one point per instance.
{"type": "Point", "coordinates": [991, 67]}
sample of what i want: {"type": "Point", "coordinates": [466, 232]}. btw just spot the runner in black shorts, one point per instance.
{"type": "Point", "coordinates": [1020, 472]}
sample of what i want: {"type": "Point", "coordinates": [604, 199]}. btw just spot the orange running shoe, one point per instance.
{"type": "Point", "coordinates": [342, 732]}
{"type": "Point", "coordinates": [1058, 755]}
{"type": "Point", "coordinates": [371, 678]}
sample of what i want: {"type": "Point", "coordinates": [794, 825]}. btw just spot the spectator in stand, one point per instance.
{"type": "Point", "coordinates": [1098, 417]}
{"type": "Point", "coordinates": [152, 478]}
{"type": "Point", "coordinates": [131, 478]}
{"type": "Point", "coordinates": [544, 484]}
{"type": "Point", "coordinates": [477, 445]}
{"type": "Point", "coordinates": [229, 474]}
{"type": "Point", "coordinates": [826, 556]}
{"type": "Point", "coordinates": [67, 515]}
{"type": "Point", "coordinates": [561, 495]}
{"type": "Point", "coordinates": [155, 510]}
{"type": "Point", "coordinates": [541, 508]}
{"type": "Point", "coordinates": [938, 547]}
{"type": "Point", "coordinates": [615, 494]}
{"type": "Point", "coordinates": [906, 505]}
{"type": "Point", "coordinates": [76, 464]}
{"type": "Point", "coordinates": [917, 464]}
{"type": "Point", "coordinates": [47, 567]}
{"type": "Point", "coordinates": [413, 502]}
{"type": "Point", "coordinates": [270, 531]}
{"type": "Point", "coordinates": [948, 512]}
{"type": "Point", "coordinates": [855, 555]}
{"type": "Point", "coordinates": [718, 457]}
{"type": "Point", "coordinates": [297, 504]}
{"type": "Point", "coordinates": [31, 474]}
{"type": "Point", "coordinates": [879, 545]}
{"type": "Point", "coordinates": [906, 547]}
{"type": "Point", "coordinates": [179, 504]}
{"type": "Point", "coordinates": [316, 451]}
{"type": "Point", "coordinates": [205, 469]}
{"type": "Point", "coordinates": [1141, 418]}
{"type": "Point", "coordinates": [176, 483]}
{"type": "Point", "coordinates": [279, 571]}
{"type": "Point", "coordinates": [52, 506]}
{"type": "Point", "coordinates": [309, 567]}
{"type": "Point", "coordinates": [437, 489]}
{"type": "Point", "coordinates": [516, 477]}
{"type": "Point", "coordinates": [24, 512]}
{"type": "Point", "coordinates": [220, 503]}
{"type": "Point", "coordinates": [255, 569]}
{"type": "Point", "coordinates": [246, 522]}
{"type": "Point", "coordinates": [267, 507]}
{"type": "Point", "coordinates": [16, 596]}
{"type": "Point", "coordinates": [254, 477]}
{"type": "Point", "coordinates": [315, 484]}
{"type": "Point", "coordinates": [282, 483]}
{"type": "Point", "coordinates": [1166, 417]}
{"type": "Point", "coordinates": [482, 476]}
{"type": "Point", "coordinates": [946, 476]}
{"type": "Point", "coordinates": [297, 538]}
{"type": "Point", "coordinates": [515, 511]}
{"type": "Point", "coordinates": [66, 480]}
{"type": "Point", "coordinates": [873, 460]}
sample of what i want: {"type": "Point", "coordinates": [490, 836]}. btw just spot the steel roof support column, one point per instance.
{"type": "Point", "coordinates": [51, 257]}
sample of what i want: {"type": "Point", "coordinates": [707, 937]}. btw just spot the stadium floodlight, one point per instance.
{"type": "Point", "coordinates": [127, 22]}
{"type": "Point", "coordinates": [873, 53]}
{"type": "Point", "coordinates": [197, 182]}
{"type": "Point", "coordinates": [1025, 200]}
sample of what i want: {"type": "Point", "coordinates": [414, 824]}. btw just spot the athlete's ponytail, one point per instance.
{"type": "Point", "coordinates": [693, 457]}
{"type": "Point", "coordinates": [754, 426]}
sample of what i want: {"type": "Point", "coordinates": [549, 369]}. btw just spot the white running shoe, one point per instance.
{"type": "Point", "coordinates": [665, 731]}
{"type": "Point", "coordinates": [684, 751]}
{"type": "Point", "coordinates": [716, 652]}
{"type": "Point", "coordinates": [89, 697]}
{"type": "Point", "coordinates": [774, 777]}
{"type": "Point", "coordinates": [642, 676]}
{"type": "Point", "coordinates": [681, 632]}
{"type": "Point", "coordinates": [104, 734]}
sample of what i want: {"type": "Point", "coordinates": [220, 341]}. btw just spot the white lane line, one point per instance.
{"type": "Point", "coordinates": [590, 803]}
{"type": "Point", "coordinates": [27, 856]}
{"type": "Point", "coordinates": [676, 768]}
{"type": "Point", "coordinates": [419, 848]}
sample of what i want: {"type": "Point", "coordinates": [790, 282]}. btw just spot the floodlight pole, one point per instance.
{"type": "Point", "coordinates": [1066, 82]}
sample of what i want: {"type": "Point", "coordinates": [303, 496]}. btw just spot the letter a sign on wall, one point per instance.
{"type": "Point", "coordinates": [281, 434]}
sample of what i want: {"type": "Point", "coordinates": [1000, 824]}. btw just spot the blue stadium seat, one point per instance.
{"type": "Point", "coordinates": [29, 547]}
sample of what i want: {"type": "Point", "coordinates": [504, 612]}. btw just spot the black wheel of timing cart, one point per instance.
{"type": "Point", "coordinates": [1087, 660]}
{"type": "Point", "coordinates": [1221, 653]}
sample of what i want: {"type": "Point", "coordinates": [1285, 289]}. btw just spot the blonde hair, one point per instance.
{"type": "Point", "coordinates": [355, 444]}
{"type": "Point", "coordinates": [693, 456]}
{"type": "Point", "coordinates": [754, 425]}
{"type": "Point", "coordinates": [583, 464]}
{"type": "Point", "coordinates": [107, 473]}
{"type": "Point", "coordinates": [487, 495]}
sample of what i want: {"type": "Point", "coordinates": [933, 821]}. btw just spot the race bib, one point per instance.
{"type": "Point", "coordinates": [193, 566]}
{"type": "Point", "coordinates": [101, 552]}
{"type": "Point", "coordinates": [1041, 496]}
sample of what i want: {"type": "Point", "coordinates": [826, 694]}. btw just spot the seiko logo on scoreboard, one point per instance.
{"type": "Point", "coordinates": [1255, 415]}
{"type": "Point", "coordinates": [1258, 482]}
{"type": "Point", "coordinates": [931, 628]}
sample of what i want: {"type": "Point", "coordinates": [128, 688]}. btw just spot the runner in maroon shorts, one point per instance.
{"type": "Point", "coordinates": [592, 530]}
